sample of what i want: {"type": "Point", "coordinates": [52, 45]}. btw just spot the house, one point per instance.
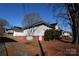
{"type": "Point", "coordinates": [36, 31]}
{"type": "Point", "coordinates": [18, 31]}
{"type": "Point", "coordinates": [66, 35]}
{"type": "Point", "coordinates": [9, 31]}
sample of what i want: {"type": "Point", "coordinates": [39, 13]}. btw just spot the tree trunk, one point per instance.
{"type": "Point", "coordinates": [74, 23]}
{"type": "Point", "coordinates": [77, 17]}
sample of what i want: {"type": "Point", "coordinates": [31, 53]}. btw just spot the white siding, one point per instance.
{"type": "Point", "coordinates": [66, 34]}
{"type": "Point", "coordinates": [40, 38]}
{"type": "Point", "coordinates": [9, 31]}
{"type": "Point", "coordinates": [19, 34]}
{"type": "Point", "coordinates": [30, 38]}
{"type": "Point", "coordinates": [38, 31]}
{"type": "Point", "coordinates": [56, 27]}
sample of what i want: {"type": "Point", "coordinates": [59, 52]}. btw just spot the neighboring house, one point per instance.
{"type": "Point", "coordinates": [66, 35]}
{"type": "Point", "coordinates": [9, 31]}
{"type": "Point", "coordinates": [36, 31]}
{"type": "Point", "coordinates": [18, 31]}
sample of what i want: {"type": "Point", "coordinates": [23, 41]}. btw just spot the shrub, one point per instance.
{"type": "Point", "coordinates": [52, 34]}
{"type": "Point", "coordinates": [2, 31]}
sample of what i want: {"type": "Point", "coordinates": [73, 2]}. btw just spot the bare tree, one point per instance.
{"type": "Point", "coordinates": [30, 20]}
{"type": "Point", "coordinates": [70, 17]}
{"type": "Point", "coordinates": [60, 13]}
{"type": "Point", "coordinates": [3, 25]}
{"type": "Point", "coordinates": [3, 22]}
{"type": "Point", "coordinates": [74, 13]}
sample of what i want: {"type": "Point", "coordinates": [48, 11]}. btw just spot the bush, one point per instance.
{"type": "Point", "coordinates": [2, 31]}
{"type": "Point", "coordinates": [52, 34]}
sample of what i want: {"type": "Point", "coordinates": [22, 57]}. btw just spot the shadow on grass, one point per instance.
{"type": "Point", "coordinates": [5, 39]}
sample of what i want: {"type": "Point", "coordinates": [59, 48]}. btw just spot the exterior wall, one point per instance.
{"type": "Point", "coordinates": [57, 27]}
{"type": "Point", "coordinates": [36, 38]}
{"type": "Point", "coordinates": [40, 38]}
{"type": "Point", "coordinates": [33, 33]}
{"type": "Point", "coordinates": [38, 31]}
{"type": "Point", "coordinates": [30, 38]}
{"type": "Point", "coordinates": [65, 34]}
{"type": "Point", "coordinates": [9, 31]}
{"type": "Point", "coordinates": [18, 34]}
{"type": "Point", "coordinates": [37, 34]}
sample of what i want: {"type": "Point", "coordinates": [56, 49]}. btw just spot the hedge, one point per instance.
{"type": "Point", "coordinates": [52, 34]}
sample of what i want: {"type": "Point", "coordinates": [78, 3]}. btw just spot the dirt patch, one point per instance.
{"type": "Point", "coordinates": [20, 39]}
{"type": "Point", "coordinates": [22, 47]}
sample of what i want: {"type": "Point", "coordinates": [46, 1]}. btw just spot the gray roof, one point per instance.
{"type": "Point", "coordinates": [18, 29]}
{"type": "Point", "coordinates": [42, 23]}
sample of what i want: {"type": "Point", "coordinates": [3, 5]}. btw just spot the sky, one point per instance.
{"type": "Point", "coordinates": [14, 12]}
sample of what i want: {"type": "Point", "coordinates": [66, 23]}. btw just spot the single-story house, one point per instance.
{"type": "Point", "coordinates": [9, 31]}
{"type": "Point", "coordinates": [36, 31]}
{"type": "Point", "coordinates": [66, 35]}
{"type": "Point", "coordinates": [18, 31]}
